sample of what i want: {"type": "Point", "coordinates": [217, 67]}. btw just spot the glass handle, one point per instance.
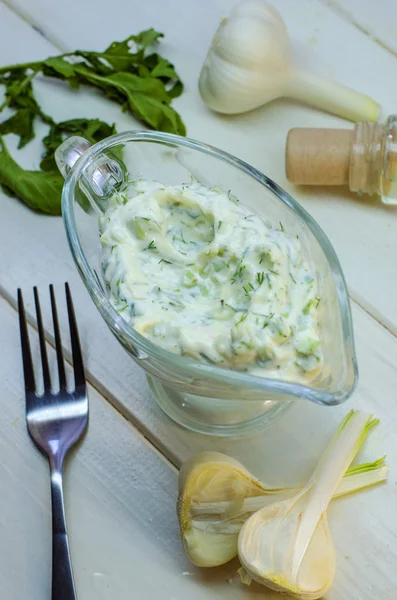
{"type": "Point", "coordinates": [68, 153]}
{"type": "Point", "coordinates": [101, 177]}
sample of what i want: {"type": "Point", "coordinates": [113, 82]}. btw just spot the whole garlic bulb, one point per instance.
{"type": "Point", "coordinates": [249, 64]}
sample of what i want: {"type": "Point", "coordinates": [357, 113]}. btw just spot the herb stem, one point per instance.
{"type": "Point", "coordinates": [36, 66]}
{"type": "Point", "coordinates": [9, 98]}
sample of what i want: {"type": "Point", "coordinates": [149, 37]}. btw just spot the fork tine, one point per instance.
{"type": "Point", "coordinates": [78, 367]}
{"type": "Point", "coordinates": [28, 372]}
{"type": "Point", "coordinates": [58, 341]}
{"type": "Point", "coordinates": [43, 350]}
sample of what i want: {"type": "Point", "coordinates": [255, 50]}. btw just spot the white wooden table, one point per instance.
{"type": "Point", "coordinates": [121, 484]}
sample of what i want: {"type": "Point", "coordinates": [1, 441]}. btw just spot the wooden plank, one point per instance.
{"type": "Point", "coordinates": [120, 497]}
{"type": "Point", "coordinates": [120, 501]}
{"type": "Point", "coordinates": [42, 257]}
{"type": "Point", "coordinates": [363, 231]}
{"type": "Point", "coordinates": [34, 252]}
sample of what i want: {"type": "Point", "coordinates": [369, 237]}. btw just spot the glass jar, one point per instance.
{"type": "Point", "coordinates": [373, 160]}
{"type": "Point", "coordinates": [200, 396]}
{"type": "Point", "coordinates": [363, 158]}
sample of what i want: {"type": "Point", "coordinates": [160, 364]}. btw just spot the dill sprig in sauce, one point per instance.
{"type": "Point", "coordinates": [211, 280]}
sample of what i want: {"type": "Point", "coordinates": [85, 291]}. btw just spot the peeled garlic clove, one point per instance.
{"type": "Point", "coordinates": [287, 546]}
{"type": "Point", "coordinates": [256, 552]}
{"type": "Point", "coordinates": [208, 549]}
{"type": "Point", "coordinates": [217, 494]}
{"type": "Point", "coordinates": [212, 478]}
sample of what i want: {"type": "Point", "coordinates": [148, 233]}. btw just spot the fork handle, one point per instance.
{"type": "Point", "coordinates": [62, 574]}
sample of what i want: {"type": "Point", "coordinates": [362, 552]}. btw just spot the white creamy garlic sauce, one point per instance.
{"type": "Point", "coordinates": [200, 275]}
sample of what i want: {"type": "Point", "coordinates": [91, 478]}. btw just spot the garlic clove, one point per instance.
{"type": "Point", "coordinates": [256, 552]}
{"type": "Point", "coordinates": [217, 494]}
{"type": "Point", "coordinates": [287, 546]}
{"type": "Point", "coordinates": [209, 549]}
{"type": "Point", "coordinates": [215, 475]}
{"type": "Point", "coordinates": [215, 478]}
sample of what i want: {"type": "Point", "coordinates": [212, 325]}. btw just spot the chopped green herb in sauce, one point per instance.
{"type": "Point", "coordinates": [207, 278]}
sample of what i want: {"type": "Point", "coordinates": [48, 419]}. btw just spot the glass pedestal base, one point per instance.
{"type": "Point", "coordinates": [214, 416]}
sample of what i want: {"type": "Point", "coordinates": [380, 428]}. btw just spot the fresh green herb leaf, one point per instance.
{"type": "Point", "coordinates": [219, 224]}
{"type": "Point", "coordinates": [136, 78]}
{"type": "Point", "coordinates": [318, 300]}
{"type": "Point", "coordinates": [232, 307]}
{"type": "Point", "coordinates": [268, 317]}
{"type": "Point", "coordinates": [165, 261]}
{"type": "Point", "coordinates": [19, 97]}
{"type": "Point", "coordinates": [260, 277]}
{"type": "Point", "coordinates": [21, 124]}
{"type": "Point", "coordinates": [40, 191]}
{"type": "Point", "coordinates": [238, 273]}
{"type": "Point", "coordinates": [274, 272]}
{"type": "Point", "coordinates": [144, 83]}
{"type": "Point", "coordinates": [306, 309]}
{"type": "Point", "coordinates": [176, 303]}
{"type": "Point", "coordinates": [292, 277]}
{"type": "Point", "coordinates": [281, 226]}
{"type": "Point", "coordinates": [242, 319]}
{"type": "Point", "coordinates": [92, 130]}
{"type": "Point", "coordinates": [152, 246]}
{"type": "Point", "coordinates": [231, 197]}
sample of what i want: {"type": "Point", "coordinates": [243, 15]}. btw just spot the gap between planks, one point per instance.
{"type": "Point", "coordinates": [332, 5]}
{"type": "Point", "coordinates": [348, 17]}
{"type": "Point", "coordinates": [144, 434]}
{"type": "Point", "coordinates": [375, 314]}
{"type": "Point", "coordinates": [52, 39]}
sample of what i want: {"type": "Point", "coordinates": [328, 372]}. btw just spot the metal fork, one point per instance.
{"type": "Point", "coordinates": [55, 422]}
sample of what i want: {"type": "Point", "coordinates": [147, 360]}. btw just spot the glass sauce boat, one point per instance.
{"type": "Point", "coordinates": [197, 395]}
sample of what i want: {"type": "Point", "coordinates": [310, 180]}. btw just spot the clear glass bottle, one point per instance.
{"type": "Point", "coordinates": [373, 160]}
{"type": "Point", "coordinates": [364, 159]}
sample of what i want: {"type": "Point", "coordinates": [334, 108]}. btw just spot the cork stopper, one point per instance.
{"type": "Point", "coordinates": [318, 156]}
